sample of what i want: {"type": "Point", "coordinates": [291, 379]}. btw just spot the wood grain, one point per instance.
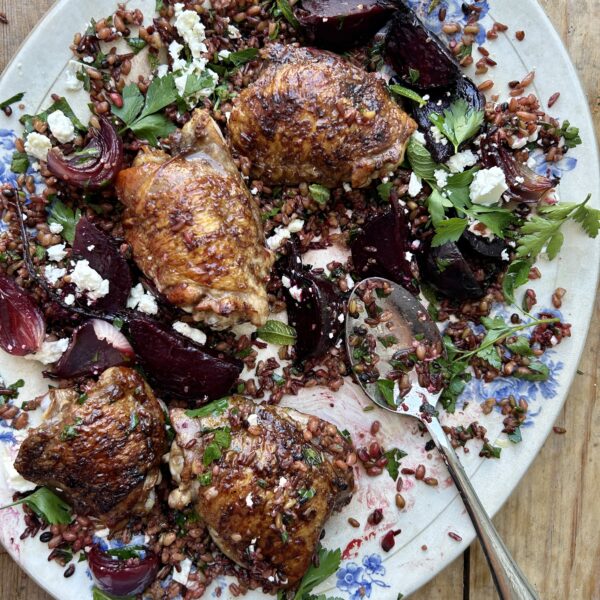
{"type": "Point", "coordinates": [551, 528]}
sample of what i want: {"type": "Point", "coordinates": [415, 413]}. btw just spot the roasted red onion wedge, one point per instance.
{"type": "Point", "coordinates": [96, 165]}
{"type": "Point", "coordinates": [122, 577]}
{"type": "Point", "coordinates": [417, 55]}
{"type": "Point", "coordinates": [94, 347]}
{"type": "Point", "coordinates": [99, 249]}
{"type": "Point", "coordinates": [22, 325]}
{"type": "Point", "coordinates": [342, 23]}
{"type": "Point", "coordinates": [439, 100]}
{"type": "Point", "coordinates": [379, 249]}
{"type": "Point", "coordinates": [524, 184]}
{"type": "Point", "coordinates": [176, 365]}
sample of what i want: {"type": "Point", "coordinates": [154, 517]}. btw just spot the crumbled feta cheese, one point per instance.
{"type": "Point", "coordinates": [438, 136]}
{"type": "Point", "coordinates": [71, 82]}
{"type": "Point", "coordinates": [441, 178]}
{"type": "Point", "coordinates": [282, 482]}
{"type": "Point", "coordinates": [341, 317]}
{"type": "Point", "coordinates": [53, 274]}
{"type": "Point", "coordinates": [253, 420]}
{"type": "Point", "coordinates": [55, 227]}
{"type": "Point", "coordinates": [69, 299]}
{"type": "Point", "coordinates": [520, 179]}
{"type": "Point", "coordinates": [295, 226]}
{"type": "Point", "coordinates": [49, 352]}
{"type": "Point", "coordinates": [88, 59]}
{"type": "Point", "coordinates": [142, 300]}
{"type": "Point", "coordinates": [233, 32]}
{"type": "Point", "coordinates": [56, 253]}
{"type": "Point", "coordinates": [347, 187]}
{"type": "Point", "coordinates": [408, 256]}
{"type": "Point", "coordinates": [183, 575]}
{"type": "Point", "coordinates": [349, 281]}
{"type": "Point", "coordinates": [37, 145]}
{"type": "Point", "coordinates": [280, 235]}
{"type": "Point", "coordinates": [534, 136]}
{"type": "Point", "coordinates": [487, 186]}
{"type": "Point", "coordinates": [518, 143]}
{"type": "Point", "coordinates": [504, 255]}
{"type": "Point", "coordinates": [191, 332]}
{"type": "Point", "coordinates": [191, 29]}
{"type": "Point", "coordinates": [89, 281]}
{"type": "Point", "coordinates": [61, 126]}
{"type": "Point", "coordinates": [461, 160]}
{"type": "Point", "coordinates": [285, 281]}
{"type": "Point", "coordinates": [296, 293]}
{"type": "Point", "coordinates": [249, 501]}
{"type": "Point", "coordinates": [419, 137]}
{"type": "Point", "coordinates": [162, 70]}
{"type": "Point", "coordinates": [175, 49]}
{"type": "Point", "coordinates": [481, 230]}
{"type": "Point", "coordinates": [531, 163]}
{"type": "Point", "coordinates": [223, 54]}
{"type": "Point", "coordinates": [414, 185]}
{"type": "Point", "coordinates": [12, 477]}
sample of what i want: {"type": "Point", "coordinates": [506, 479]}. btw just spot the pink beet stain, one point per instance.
{"type": "Point", "coordinates": [351, 550]}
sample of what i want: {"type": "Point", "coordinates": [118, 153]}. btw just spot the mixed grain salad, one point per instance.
{"type": "Point", "coordinates": [157, 262]}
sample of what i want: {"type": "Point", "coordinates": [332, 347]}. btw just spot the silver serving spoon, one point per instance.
{"type": "Point", "coordinates": [407, 328]}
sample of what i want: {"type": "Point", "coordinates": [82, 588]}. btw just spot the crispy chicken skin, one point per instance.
{"type": "Point", "coordinates": [314, 117]}
{"type": "Point", "coordinates": [273, 491]}
{"type": "Point", "coordinates": [195, 229]}
{"type": "Point", "coordinates": [104, 453]}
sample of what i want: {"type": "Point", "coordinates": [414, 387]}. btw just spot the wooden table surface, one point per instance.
{"type": "Point", "coordinates": [551, 522]}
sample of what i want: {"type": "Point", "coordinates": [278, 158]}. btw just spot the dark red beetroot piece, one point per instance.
{"type": "Point", "coordinates": [122, 577]}
{"type": "Point", "coordinates": [96, 165]}
{"type": "Point", "coordinates": [342, 23]}
{"type": "Point", "coordinates": [176, 365]}
{"type": "Point", "coordinates": [100, 250]}
{"type": "Point", "coordinates": [22, 325]}
{"type": "Point", "coordinates": [410, 48]}
{"type": "Point", "coordinates": [446, 269]}
{"type": "Point", "coordinates": [379, 249]}
{"type": "Point", "coordinates": [439, 100]}
{"type": "Point", "coordinates": [315, 310]}
{"type": "Point", "coordinates": [524, 184]}
{"type": "Point", "coordinates": [94, 347]}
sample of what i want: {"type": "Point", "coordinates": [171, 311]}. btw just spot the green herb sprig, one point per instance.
{"type": "Point", "coordinates": [459, 123]}
{"type": "Point", "coordinates": [47, 505]}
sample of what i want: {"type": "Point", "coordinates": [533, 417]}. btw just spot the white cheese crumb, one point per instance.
{"type": "Point", "coordinates": [249, 502]}
{"type": "Point", "coordinates": [481, 230]}
{"type": "Point", "coordinates": [183, 575]}
{"type": "Point", "coordinates": [55, 227]}
{"type": "Point", "coordinates": [461, 160]}
{"type": "Point", "coordinates": [53, 274]}
{"type": "Point", "coordinates": [296, 293]}
{"type": "Point", "coordinates": [71, 82]}
{"type": "Point", "coordinates": [441, 178]}
{"type": "Point", "coordinates": [531, 163]}
{"type": "Point", "coordinates": [518, 143]}
{"type": "Point", "coordinates": [61, 126]}
{"type": "Point", "coordinates": [88, 59]}
{"type": "Point", "coordinates": [37, 145]}
{"type": "Point", "coordinates": [419, 137]}
{"type": "Point", "coordinates": [191, 29]}
{"type": "Point", "coordinates": [282, 482]}
{"type": "Point", "coordinates": [191, 332]}
{"type": "Point", "coordinates": [89, 281]}
{"type": "Point", "coordinates": [438, 136]}
{"type": "Point", "coordinates": [280, 235]}
{"type": "Point", "coordinates": [12, 477]}
{"type": "Point", "coordinates": [69, 299]}
{"type": "Point", "coordinates": [141, 300]}
{"type": "Point", "coordinates": [347, 187]}
{"type": "Point", "coordinates": [296, 225]}
{"type": "Point", "coordinates": [414, 185]}
{"type": "Point", "coordinates": [233, 32]}
{"type": "Point", "coordinates": [487, 186]}
{"type": "Point", "coordinates": [504, 255]}
{"type": "Point", "coordinates": [285, 282]}
{"type": "Point", "coordinates": [223, 54]}
{"type": "Point", "coordinates": [341, 317]}
{"type": "Point", "coordinates": [56, 253]}
{"type": "Point", "coordinates": [49, 352]}
{"type": "Point", "coordinates": [253, 420]}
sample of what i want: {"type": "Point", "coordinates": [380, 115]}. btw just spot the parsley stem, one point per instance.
{"type": "Point", "coordinates": [508, 333]}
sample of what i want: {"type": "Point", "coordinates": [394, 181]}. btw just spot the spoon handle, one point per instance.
{"type": "Point", "coordinates": [510, 581]}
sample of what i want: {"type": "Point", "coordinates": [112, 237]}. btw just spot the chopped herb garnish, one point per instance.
{"type": "Point", "coordinates": [19, 163]}
{"type": "Point", "coordinates": [286, 10]}
{"type": "Point", "coordinates": [213, 409]}
{"type": "Point", "coordinates": [384, 190]}
{"type": "Point", "coordinates": [70, 432]}
{"type": "Point", "coordinates": [277, 332]}
{"type": "Point", "coordinates": [306, 494]}
{"type": "Point", "coordinates": [205, 479]}
{"type": "Point", "coordinates": [319, 193]}
{"type": "Point", "coordinates": [126, 552]}
{"type": "Point", "coordinates": [386, 389]}
{"type": "Point", "coordinates": [413, 75]}
{"type": "Point", "coordinates": [212, 452]}
{"type": "Point", "coordinates": [490, 451]}
{"type": "Point", "coordinates": [285, 536]}
{"type": "Point", "coordinates": [394, 456]}
{"type": "Point", "coordinates": [134, 421]}
{"type": "Point", "coordinates": [11, 100]}
{"type": "Point", "coordinates": [570, 135]}
{"type": "Point", "coordinates": [459, 122]}
{"type": "Point", "coordinates": [311, 456]}
{"type": "Point", "coordinates": [136, 44]}
{"type": "Point", "coordinates": [329, 562]}
{"type": "Point", "coordinates": [47, 505]}
{"type": "Point", "coordinates": [400, 90]}
{"type": "Point", "coordinates": [515, 437]}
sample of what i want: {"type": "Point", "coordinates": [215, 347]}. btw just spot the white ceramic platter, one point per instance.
{"type": "Point", "coordinates": [431, 512]}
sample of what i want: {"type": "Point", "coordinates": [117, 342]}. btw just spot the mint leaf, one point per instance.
{"type": "Point", "coordinates": [420, 160]}
{"type": "Point", "coordinates": [241, 57]}
{"type": "Point", "coordinates": [386, 389]}
{"type": "Point", "coordinates": [277, 332]}
{"type": "Point", "coordinates": [67, 217]}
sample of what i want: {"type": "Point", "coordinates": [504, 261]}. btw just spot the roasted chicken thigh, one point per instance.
{"type": "Point", "coordinates": [195, 229]}
{"type": "Point", "coordinates": [314, 117]}
{"type": "Point", "coordinates": [263, 485]}
{"type": "Point", "coordinates": [102, 450]}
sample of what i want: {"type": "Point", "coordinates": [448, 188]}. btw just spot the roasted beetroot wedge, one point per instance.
{"type": "Point", "coordinates": [417, 55]}
{"type": "Point", "coordinates": [179, 367]}
{"type": "Point", "coordinates": [99, 249]}
{"type": "Point", "coordinates": [315, 310]}
{"type": "Point", "coordinates": [22, 325]}
{"type": "Point", "coordinates": [379, 249]}
{"type": "Point", "coordinates": [342, 23]}
{"type": "Point", "coordinates": [524, 184]}
{"type": "Point", "coordinates": [94, 347]}
{"type": "Point", "coordinates": [440, 100]}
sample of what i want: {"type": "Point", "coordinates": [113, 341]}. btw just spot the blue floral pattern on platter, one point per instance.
{"type": "Point", "coordinates": [357, 581]}
{"type": "Point", "coordinates": [552, 169]}
{"type": "Point", "coordinates": [454, 14]}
